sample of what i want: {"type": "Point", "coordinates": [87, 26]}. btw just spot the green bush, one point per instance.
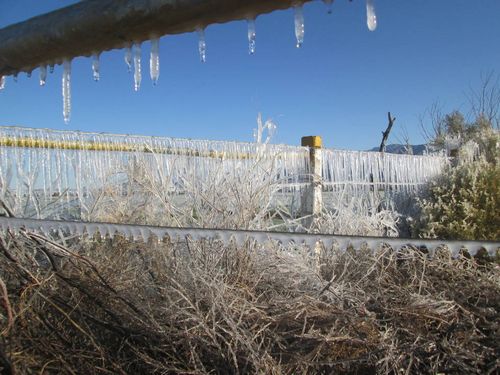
{"type": "Point", "coordinates": [463, 203]}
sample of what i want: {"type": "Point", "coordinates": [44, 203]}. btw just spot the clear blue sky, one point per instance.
{"type": "Point", "coordinates": [339, 85]}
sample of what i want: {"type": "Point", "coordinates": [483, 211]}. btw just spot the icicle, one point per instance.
{"type": "Point", "coordinates": [43, 75]}
{"type": "Point", "coordinates": [15, 78]}
{"type": "Point", "coordinates": [128, 57]}
{"type": "Point", "coordinates": [66, 90]}
{"type": "Point", "coordinates": [137, 66]}
{"type": "Point", "coordinates": [2, 82]}
{"type": "Point", "coordinates": [371, 17]}
{"type": "Point", "coordinates": [154, 60]}
{"type": "Point", "coordinates": [28, 74]}
{"type": "Point", "coordinates": [51, 68]}
{"type": "Point", "coordinates": [251, 35]}
{"type": "Point", "coordinates": [299, 24]}
{"type": "Point", "coordinates": [328, 4]}
{"type": "Point", "coordinates": [95, 66]}
{"type": "Point", "coordinates": [202, 45]}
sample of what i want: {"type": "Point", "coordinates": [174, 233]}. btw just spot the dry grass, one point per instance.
{"type": "Point", "coordinates": [121, 307]}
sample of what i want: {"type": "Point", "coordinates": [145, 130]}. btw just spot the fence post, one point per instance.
{"type": "Point", "coordinates": [312, 199]}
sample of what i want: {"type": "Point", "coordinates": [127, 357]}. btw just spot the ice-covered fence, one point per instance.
{"type": "Point", "coordinates": [376, 179]}
{"type": "Point", "coordinates": [48, 173]}
{"type": "Point", "coordinates": [65, 174]}
{"type": "Point", "coordinates": [363, 170]}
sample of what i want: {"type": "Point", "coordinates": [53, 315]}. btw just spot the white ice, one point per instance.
{"type": "Point", "coordinates": [371, 17]}
{"type": "Point", "coordinates": [299, 24]}
{"type": "Point", "coordinates": [137, 66]}
{"type": "Point", "coordinates": [251, 35]}
{"type": "Point", "coordinates": [66, 90]}
{"type": "Point", "coordinates": [154, 60]}
{"type": "Point", "coordinates": [95, 66]}
{"type": "Point", "coordinates": [128, 57]}
{"type": "Point", "coordinates": [43, 75]}
{"type": "Point", "coordinates": [202, 45]}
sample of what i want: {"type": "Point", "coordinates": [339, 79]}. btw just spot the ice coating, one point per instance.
{"type": "Point", "coordinates": [66, 90]}
{"type": "Point", "coordinates": [95, 67]}
{"type": "Point", "coordinates": [43, 75]}
{"type": "Point", "coordinates": [299, 24]}
{"type": "Point", "coordinates": [202, 45]}
{"type": "Point", "coordinates": [2, 82]}
{"type": "Point", "coordinates": [154, 60]}
{"type": "Point", "coordinates": [137, 66]}
{"type": "Point", "coordinates": [143, 233]}
{"type": "Point", "coordinates": [371, 17]}
{"type": "Point", "coordinates": [251, 35]}
{"type": "Point", "coordinates": [73, 167]}
{"type": "Point", "coordinates": [128, 57]}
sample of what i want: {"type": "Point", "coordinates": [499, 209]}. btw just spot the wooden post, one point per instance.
{"type": "Point", "coordinates": [312, 199]}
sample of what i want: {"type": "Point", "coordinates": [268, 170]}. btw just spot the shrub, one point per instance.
{"type": "Point", "coordinates": [463, 203]}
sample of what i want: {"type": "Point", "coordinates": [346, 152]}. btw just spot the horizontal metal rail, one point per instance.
{"type": "Point", "coordinates": [26, 142]}
{"type": "Point", "coordinates": [93, 26]}
{"type": "Point", "coordinates": [144, 232]}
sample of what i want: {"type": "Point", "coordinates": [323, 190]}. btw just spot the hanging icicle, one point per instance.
{"type": "Point", "coordinates": [95, 66]}
{"type": "Point", "coordinates": [137, 66]}
{"type": "Point", "coordinates": [2, 82]}
{"type": "Point", "coordinates": [154, 60]}
{"type": "Point", "coordinates": [66, 90]}
{"type": "Point", "coordinates": [299, 24]}
{"type": "Point", "coordinates": [371, 17]}
{"type": "Point", "coordinates": [128, 57]}
{"type": "Point", "coordinates": [202, 45]}
{"type": "Point", "coordinates": [328, 4]}
{"type": "Point", "coordinates": [15, 78]}
{"type": "Point", "coordinates": [51, 68]}
{"type": "Point", "coordinates": [251, 35]}
{"type": "Point", "coordinates": [43, 75]}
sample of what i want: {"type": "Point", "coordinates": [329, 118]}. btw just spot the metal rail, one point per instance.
{"type": "Point", "coordinates": [144, 232]}
{"type": "Point", "coordinates": [93, 26]}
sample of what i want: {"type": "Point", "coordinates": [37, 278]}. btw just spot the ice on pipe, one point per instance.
{"type": "Point", "coordinates": [251, 35]}
{"type": "Point", "coordinates": [2, 82]}
{"type": "Point", "coordinates": [95, 66]}
{"type": "Point", "coordinates": [66, 90]}
{"type": "Point", "coordinates": [128, 57]}
{"type": "Point", "coordinates": [43, 75]}
{"type": "Point", "coordinates": [154, 60]}
{"type": "Point", "coordinates": [371, 17]}
{"type": "Point", "coordinates": [202, 45]}
{"type": "Point", "coordinates": [299, 24]}
{"type": "Point", "coordinates": [137, 66]}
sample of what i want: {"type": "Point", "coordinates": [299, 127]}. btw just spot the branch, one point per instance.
{"type": "Point", "coordinates": [385, 134]}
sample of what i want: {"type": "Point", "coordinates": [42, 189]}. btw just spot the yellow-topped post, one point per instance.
{"type": "Point", "coordinates": [312, 199]}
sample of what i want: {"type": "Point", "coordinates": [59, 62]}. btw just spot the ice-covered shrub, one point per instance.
{"type": "Point", "coordinates": [464, 202]}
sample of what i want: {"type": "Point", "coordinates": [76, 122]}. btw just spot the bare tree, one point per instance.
{"type": "Point", "coordinates": [485, 101]}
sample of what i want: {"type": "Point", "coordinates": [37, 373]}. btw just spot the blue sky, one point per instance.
{"type": "Point", "coordinates": [339, 85]}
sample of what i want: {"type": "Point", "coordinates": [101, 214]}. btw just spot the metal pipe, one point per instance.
{"type": "Point", "coordinates": [99, 25]}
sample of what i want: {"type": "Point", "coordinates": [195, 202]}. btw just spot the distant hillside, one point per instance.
{"type": "Point", "coordinates": [400, 149]}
